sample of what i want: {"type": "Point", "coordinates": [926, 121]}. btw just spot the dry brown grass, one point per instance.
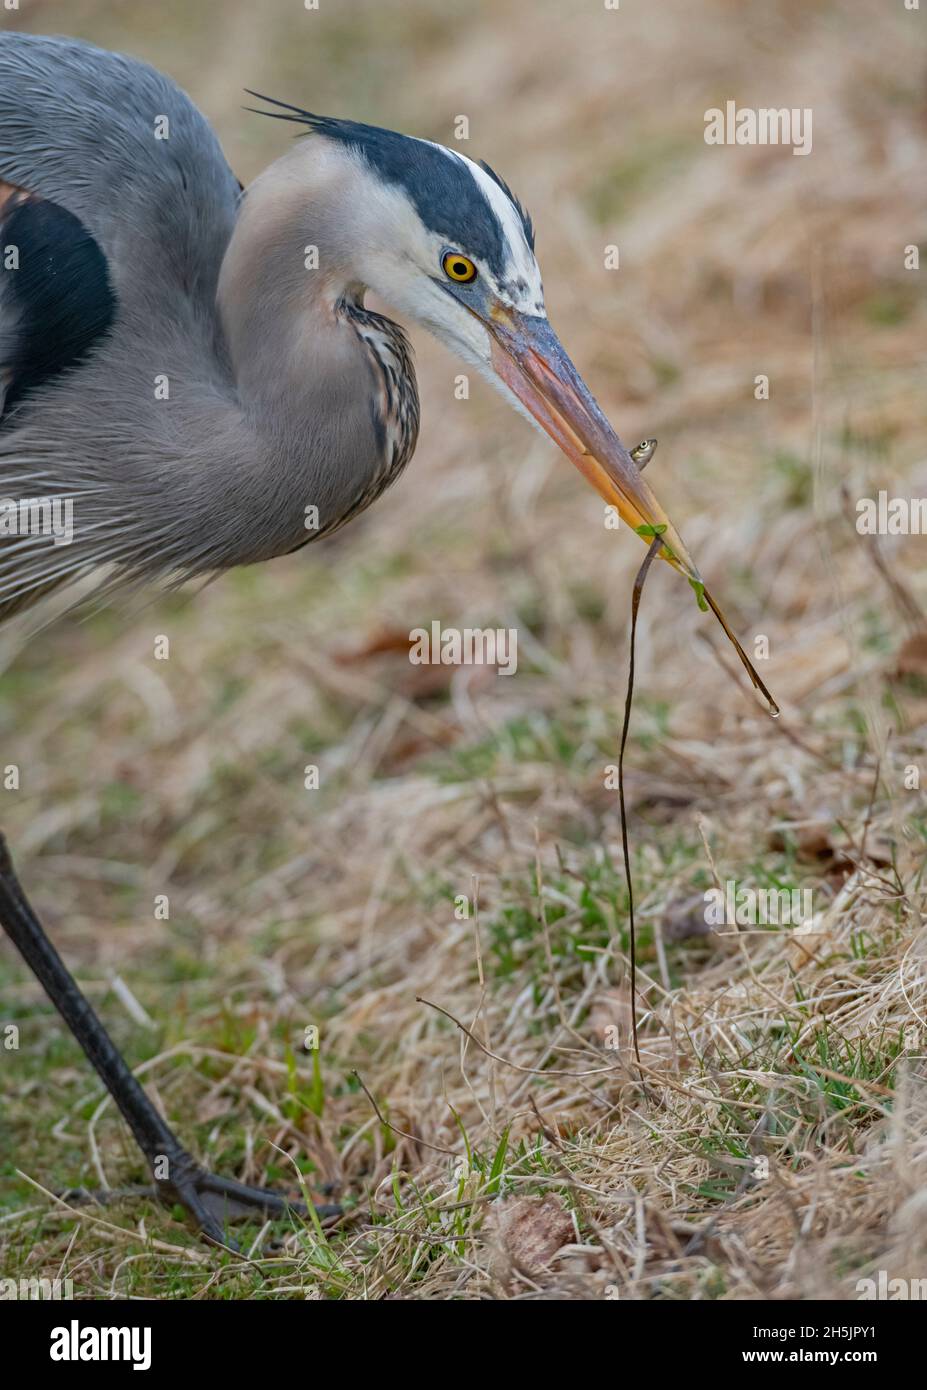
{"type": "Point", "coordinates": [336, 907]}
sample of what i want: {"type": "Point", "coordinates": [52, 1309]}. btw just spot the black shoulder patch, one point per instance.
{"type": "Point", "coordinates": [55, 294]}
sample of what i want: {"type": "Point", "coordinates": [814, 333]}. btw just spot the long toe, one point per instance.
{"type": "Point", "coordinates": [207, 1211]}
{"type": "Point", "coordinates": [214, 1201]}
{"type": "Point", "coordinates": [243, 1200]}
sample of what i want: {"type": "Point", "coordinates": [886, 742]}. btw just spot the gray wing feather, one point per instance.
{"type": "Point", "coordinates": [81, 126]}
{"type": "Point", "coordinates": [78, 128]}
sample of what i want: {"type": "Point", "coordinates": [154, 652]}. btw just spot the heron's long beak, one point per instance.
{"type": "Point", "coordinates": [530, 359]}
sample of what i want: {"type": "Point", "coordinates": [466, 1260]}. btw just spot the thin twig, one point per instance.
{"type": "Point", "coordinates": [530, 1071]}
{"type": "Point", "coordinates": [403, 1134]}
{"type": "Point", "coordinates": [655, 545]}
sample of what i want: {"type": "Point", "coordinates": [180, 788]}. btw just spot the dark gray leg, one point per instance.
{"type": "Point", "coordinates": [210, 1200]}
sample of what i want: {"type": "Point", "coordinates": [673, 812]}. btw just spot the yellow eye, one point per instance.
{"type": "Point", "coordinates": [459, 268]}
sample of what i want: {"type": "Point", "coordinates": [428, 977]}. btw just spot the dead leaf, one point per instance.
{"type": "Point", "coordinates": [529, 1231]}
{"type": "Point", "coordinates": [814, 838]}
{"type": "Point", "coordinates": [912, 656]}
{"type": "Point", "coordinates": [685, 919]}
{"type": "Point", "coordinates": [385, 639]}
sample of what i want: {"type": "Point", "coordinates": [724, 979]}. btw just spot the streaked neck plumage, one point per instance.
{"type": "Point", "coordinates": [326, 385]}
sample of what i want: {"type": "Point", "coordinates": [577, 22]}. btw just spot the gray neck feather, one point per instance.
{"type": "Point", "coordinates": [285, 395]}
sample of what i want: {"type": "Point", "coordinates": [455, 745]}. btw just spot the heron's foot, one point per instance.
{"type": "Point", "coordinates": [212, 1201]}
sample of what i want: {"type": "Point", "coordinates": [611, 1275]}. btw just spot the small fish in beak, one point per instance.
{"type": "Point", "coordinates": [644, 452]}
{"type": "Point", "coordinates": [532, 362]}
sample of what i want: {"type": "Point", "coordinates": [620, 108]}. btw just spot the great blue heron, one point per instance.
{"type": "Point", "coordinates": [192, 368]}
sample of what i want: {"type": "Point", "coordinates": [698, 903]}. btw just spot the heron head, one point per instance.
{"type": "Point", "coordinates": [444, 240]}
